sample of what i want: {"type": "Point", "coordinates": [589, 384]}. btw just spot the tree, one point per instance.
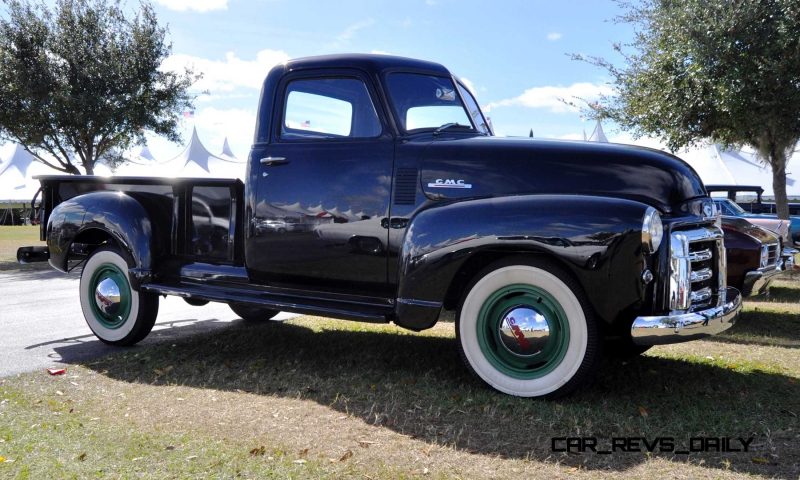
{"type": "Point", "coordinates": [81, 82]}
{"type": "Point", "coordinates": [728, 71]}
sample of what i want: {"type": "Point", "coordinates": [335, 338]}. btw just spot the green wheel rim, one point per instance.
{"type": "Point", "coordinates": [118, 318]}
{"type": "Point", "coordinates": [493, 314]}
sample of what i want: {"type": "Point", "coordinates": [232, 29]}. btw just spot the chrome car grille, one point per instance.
{"type": "Point", "coordinates": [772, 255]}
{"type": "Point", "coordinates": [697, 267]}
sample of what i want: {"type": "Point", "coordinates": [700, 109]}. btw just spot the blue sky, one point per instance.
{"type": "Point", "coordinates": [513, 53]}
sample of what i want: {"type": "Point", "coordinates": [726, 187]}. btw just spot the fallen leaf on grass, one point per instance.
{"type": "Point", "coordinates": [169, 447]}
{"type": "Point", "coordinates": [56, 371]}
{"type": "Point", "coordinates": [643, 411]}
{"type": "Point", "coordinates": [59, 392]}
{"type": "Point", "coordinates": [2, 459]}
{"type": "Point", "coordinates": [346, 455]}
{"type": "Point", "coordinates": [82, 456]}
{"type": "Point", "coordinates": [191, 457]}
{"type": "Point", "coordinates": [300, 461]}
{"type": "Point", "coordinates": [258, 451]}
{"type": "Point", "coordinates": [760, 460]}
{"type": "Point", "coordinates": [303, 452]}
{"type": "Point", "coordinates": [366, 443]}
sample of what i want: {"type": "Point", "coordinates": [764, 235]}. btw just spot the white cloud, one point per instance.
{"type": "Point", "coordinates": [571, 136]}
{"type": "Point", "coordinates": [196, 5]}
{"type": "Point", "coordinates": [550, 97]}
{"type": "Point", "coordinates": [350, 32]}
{"type": "Point", "coordinates": [468, 83]}
{"type": "Point", "coordinates": [229, 74]}
{"type": "Point", "coordinates": [553, 36]}
{"type": "Point", "coordinates": [381, 52]}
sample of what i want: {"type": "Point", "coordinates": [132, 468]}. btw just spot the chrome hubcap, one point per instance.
{"type": "Point", "coordinates": [107, 297]}
{"type": "Point", "coordinates": [524, 332]}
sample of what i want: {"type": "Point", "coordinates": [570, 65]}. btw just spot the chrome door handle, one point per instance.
{"type": "Point", "coordinates": [273, 161]}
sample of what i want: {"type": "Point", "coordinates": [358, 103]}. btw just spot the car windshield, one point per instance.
{"type": "Point", "coordinates": [424, 102]}
{"type": "Point", "coordinates": [729, 207]}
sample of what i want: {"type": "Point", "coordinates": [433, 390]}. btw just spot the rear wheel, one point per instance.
{"type": "Point", "coordinates": [526, 329]}
{"type": "Point", "coordinates": [252, 313]}
{"type": "Point", "coordinates": [114, 311]}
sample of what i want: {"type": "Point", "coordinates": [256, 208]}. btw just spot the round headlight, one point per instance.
{"type": "Point", "coordinates": [652, 230]}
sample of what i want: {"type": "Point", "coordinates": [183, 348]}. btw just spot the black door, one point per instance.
{"type": "Point", "coordinates": [323, 189]}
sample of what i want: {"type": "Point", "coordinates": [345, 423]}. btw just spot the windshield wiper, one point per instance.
{"type": "Point", "coordinates": [449, 125]}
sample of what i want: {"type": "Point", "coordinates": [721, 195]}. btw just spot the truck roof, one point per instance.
{"type": "Point", "coordinates": [367, 62]}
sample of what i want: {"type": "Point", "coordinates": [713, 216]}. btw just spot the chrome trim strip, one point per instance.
{"type": "Point", "coordinates": [666, 329]}
{"type": "Point", "coordinates": [701, 295]}
{"type": "Point", "coordinates": [679, 271]}
{"type": "Point", "coordinates": [701, 275]}
{"type": "Point", "coordinates": [419, 303]}
{"type": "Point", "coordinates": [701, 255]}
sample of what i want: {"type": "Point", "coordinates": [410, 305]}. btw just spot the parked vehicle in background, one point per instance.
{"type": "Point", "coordinates": [409, 206]}
{"type": "Point", "coordinates": [755, 205]}
{"type": "Point", "coordinates": [781, 228]}
{"type": "Point", "coordinates": [755, 255]}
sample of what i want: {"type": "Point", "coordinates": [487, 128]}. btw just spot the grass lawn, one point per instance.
{"type": "Point", "coordinates": [321, 398]}
{"type": "Point", "coordinates": [13, 237]}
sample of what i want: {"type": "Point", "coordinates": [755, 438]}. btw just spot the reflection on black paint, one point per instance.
{"type": "Point", "coordinates": [211, 221]}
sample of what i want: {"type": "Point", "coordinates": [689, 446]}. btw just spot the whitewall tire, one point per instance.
{"type": "Point", "coordinates": [114, 311]}
{"type": "Point", "coordinates": [525, 328]}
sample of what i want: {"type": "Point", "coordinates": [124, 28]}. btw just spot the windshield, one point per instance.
{"type": "Point", "coordinates": [728, 207]}
{"type": "Point", "coordinates": [427, 102]}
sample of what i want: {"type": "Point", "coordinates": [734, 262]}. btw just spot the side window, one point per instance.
{"type": "Point", "coordinates": [328, 108]}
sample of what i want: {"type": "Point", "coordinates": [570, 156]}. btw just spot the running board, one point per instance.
{"type": "Point", "coordinates": [372, 313]}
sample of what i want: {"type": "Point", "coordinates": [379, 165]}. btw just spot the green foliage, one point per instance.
{"type": "Point", "coordinates": [80, 82]}
{"type": "Point", "coordinates": [728, 71]}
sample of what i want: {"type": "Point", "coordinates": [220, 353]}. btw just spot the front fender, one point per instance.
{"type": "Point", "coordinates": [597, 239]}
{"type": "Point", "coordinates": [118, 214]}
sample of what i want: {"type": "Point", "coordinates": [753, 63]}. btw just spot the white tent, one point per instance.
{"type": "Point", "coordinates": [598, 135]}
{"type": "Point", "coordinates": [16, 174]}
{"type": "Point", "coordinates": [717, 165]}
{"type": "Point", "coordinates": [227, 153]}
{"type": "Point", "coordinates": [197, 161]}
{"type": "Point", "coordinates": [140, 163]}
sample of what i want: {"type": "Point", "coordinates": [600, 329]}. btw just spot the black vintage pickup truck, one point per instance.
{"type": "Point", "coordinates": [376, 191]}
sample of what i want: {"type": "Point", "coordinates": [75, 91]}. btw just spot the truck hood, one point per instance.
{"type": "Point", "coordinates": [492, 166]}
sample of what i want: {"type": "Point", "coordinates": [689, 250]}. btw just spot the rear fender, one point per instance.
{"type": "Point", "coordinates": [117, 214]}
{"type": "Point", "coordinates": [597, 239]}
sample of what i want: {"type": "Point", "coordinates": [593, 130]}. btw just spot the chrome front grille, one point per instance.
{"type": "Point", "coordinates": [697, 269]}
{"type": "Point", "coordinates": [771, 255]}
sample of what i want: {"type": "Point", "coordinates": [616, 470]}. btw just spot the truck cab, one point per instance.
{"type": "Point", "coordinates": [376, 191]}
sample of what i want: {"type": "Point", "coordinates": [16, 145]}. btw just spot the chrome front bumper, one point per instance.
{"type": "Point", "coordinates": [682, 327]}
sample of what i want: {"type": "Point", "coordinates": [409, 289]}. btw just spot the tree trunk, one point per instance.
{"type": "Point", "coordinates": [88, 165]}
{"type": "Point", "coordinates": [778, 162]}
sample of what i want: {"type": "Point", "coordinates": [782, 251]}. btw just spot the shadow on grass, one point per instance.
{"type": "Point", "coordinates": [779, 293]}
{"type": "Point", "coordinates": [417, 386]}
{"type": "Point", "coordinates": [771, 329]}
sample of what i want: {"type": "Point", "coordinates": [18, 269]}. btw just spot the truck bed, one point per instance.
{"type": "Point", "coordinates": [203, 215]}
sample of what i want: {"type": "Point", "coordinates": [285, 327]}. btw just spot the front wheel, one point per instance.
{"type": "Point", "coordinates": [526, 329]}
{"type": "Point", "coordinates": [115, 312]}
